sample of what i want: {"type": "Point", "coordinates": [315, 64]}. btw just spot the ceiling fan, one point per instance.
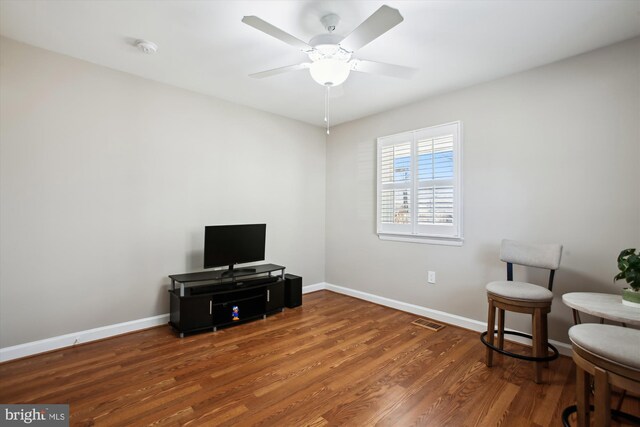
{"type": "Point", "coordinates": [331, 55]}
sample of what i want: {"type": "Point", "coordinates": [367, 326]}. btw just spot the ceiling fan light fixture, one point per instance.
{"type": "Point", "coordinates": [330, 54]}
{"type": "Point", "coordinates": [329, 72]}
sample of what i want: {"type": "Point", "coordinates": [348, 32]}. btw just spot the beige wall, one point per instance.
{"type": "Point", "coordinates": [550, 155]}
{"type": "Point", "coordinates": [107, 181]}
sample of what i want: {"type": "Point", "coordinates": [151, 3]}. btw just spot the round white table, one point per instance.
{"type": "Point", "coordinates": [604, 306]}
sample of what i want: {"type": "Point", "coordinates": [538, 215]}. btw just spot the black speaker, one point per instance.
{"type": "Point", "coordinates": [292, 290]}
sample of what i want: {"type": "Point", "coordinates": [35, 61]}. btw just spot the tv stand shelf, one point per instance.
{"type": "Point", "coordinates": [219, 275]}
{"type": "Point", "coordinates": [211, 299]}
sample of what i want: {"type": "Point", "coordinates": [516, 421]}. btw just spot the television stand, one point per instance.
{"type": "Point", "coordinates": [209, 300]}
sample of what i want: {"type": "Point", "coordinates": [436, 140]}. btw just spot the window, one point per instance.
{"type": "Point", "coordinates": [419, 185]}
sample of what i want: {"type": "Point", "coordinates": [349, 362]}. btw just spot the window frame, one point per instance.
{"type": "Point", "coordinates": [415, 232]}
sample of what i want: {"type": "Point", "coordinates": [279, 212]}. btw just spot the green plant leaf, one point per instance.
{"type": "Point", "coordinates": [623, 265]}
{"type": "Point", "coordinates": [625, 253]}
{"type": "Point", "coordinates": [629, 266]}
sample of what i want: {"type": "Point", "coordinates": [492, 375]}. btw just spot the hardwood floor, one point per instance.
{"type": "Point", "coordinates": [334, 361]}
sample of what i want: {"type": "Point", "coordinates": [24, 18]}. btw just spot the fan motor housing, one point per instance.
{"type": "Point", "coordinates": [322, 39]}
{"type": "Point", "coordinates": [327, 46]}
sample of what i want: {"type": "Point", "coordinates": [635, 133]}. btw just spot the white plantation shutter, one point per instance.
{"type": "Point", "coordinates": [419, 194]}
{"type": "Point", "coordinates": [396, 182]}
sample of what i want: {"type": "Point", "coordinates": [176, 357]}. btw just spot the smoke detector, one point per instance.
{"type": "Point", "coordinates": [147, 46]}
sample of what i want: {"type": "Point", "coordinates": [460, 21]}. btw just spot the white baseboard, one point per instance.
{"type": "Point", "coordinates": [68, 340]}
{"type": "Point", "coordinates": [452, 319]}
{"type": "Point", "coordinates": [313, 288]}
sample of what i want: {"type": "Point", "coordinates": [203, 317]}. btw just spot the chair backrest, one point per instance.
{"type": "Point", "coordinates": [539, 255]}
{"type": "Point", "coordinates": [531, 254]}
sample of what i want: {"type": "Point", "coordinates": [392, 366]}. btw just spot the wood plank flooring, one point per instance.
{"type": "Point", "coordinates": [334, 361]}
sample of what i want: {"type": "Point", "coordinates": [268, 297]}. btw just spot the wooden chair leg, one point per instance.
{"type": "Point", "coordinates": [536, 343]}
{"type": "Point", "coordinates": [602, 398]}
{"type": "Point", "coordinates": [545, 339]}
{"type": "Point", "coordinates": [491, 322]}
{"type": "Point", "coordinates": [583, 391]}
{"type": "Point", "coordinates": [500, 329]}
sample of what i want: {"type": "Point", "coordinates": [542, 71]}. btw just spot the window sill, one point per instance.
{"type": "Point", "coordinates": [430, 240]}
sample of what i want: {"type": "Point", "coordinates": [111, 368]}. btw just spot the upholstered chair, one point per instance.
{"type": "Point", "coordinates": [611, 356]}
{"type": "Point", "coordinates": [522, 297]}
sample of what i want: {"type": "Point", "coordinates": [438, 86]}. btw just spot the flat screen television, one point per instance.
{"type": "Point", "coordinates": [233, 244]}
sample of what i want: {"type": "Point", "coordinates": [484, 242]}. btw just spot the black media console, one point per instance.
{"type": "Point", "coordinates": [208, 300]}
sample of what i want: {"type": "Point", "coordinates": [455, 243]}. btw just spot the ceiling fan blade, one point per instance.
{"type": "Point", "coordinates": [374, 26]}
{"type": "Point", "coordinates": [273, 72]}
{"type": "Point", "coordinates": [390, 70]}
{"type": "Point", "coordinates": [276, 32]}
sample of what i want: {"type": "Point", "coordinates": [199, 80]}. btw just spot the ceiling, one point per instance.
{"type": "Point", "coordinates": [204, 47]}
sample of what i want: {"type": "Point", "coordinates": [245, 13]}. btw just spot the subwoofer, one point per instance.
{"type": "Point", "coordinates": [292, 290]}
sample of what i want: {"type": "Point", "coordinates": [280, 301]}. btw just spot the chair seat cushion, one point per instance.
{"type": "Point", "coordinates": [520, 291]}
{"type": "Point", "coordinates": [615, 343]}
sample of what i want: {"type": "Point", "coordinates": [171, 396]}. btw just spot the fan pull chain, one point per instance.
{"type": "Point", "coordinates": [326, 108]}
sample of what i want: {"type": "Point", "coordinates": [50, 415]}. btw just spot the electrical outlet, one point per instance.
{"type": "Point", "coordinates": [431, 277]}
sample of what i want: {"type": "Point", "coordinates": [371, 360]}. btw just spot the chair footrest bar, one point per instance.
{"type": "Point", "coordinates": [619, 415]}
{"type": "Point", "coordinates": [520, 356]}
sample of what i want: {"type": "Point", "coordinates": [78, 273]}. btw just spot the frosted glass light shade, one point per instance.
{"type": "Point", "coordinates": [329, 72]}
